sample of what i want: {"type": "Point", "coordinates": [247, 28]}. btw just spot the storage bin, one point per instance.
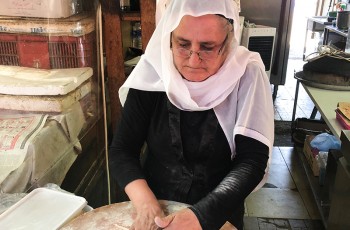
{"type": "Point", "coordinates": [48, 44]}
{"type": "Point", "coordinates": [40, 8]}
{"type": "Point", "coordinates": [47, 52]}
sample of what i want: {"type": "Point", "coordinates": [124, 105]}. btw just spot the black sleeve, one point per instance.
{"type": "Point", "coordinates": [248, 169]}
{"type": "Point", "coordinates": [129, 137]}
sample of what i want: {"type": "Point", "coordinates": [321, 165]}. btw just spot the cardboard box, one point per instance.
{"type": "Point", "coordinates": [310, 154]}
{"type": "Point", "coordinates": [40, 8]}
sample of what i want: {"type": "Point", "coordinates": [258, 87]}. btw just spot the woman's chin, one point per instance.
{"type": "Point", "coordinates": [195, 77]}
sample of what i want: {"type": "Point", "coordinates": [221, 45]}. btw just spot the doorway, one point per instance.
{"type": "Point", "coordinates": [302, 10]}
{"type": "Point", "coordinates": [285, 97]}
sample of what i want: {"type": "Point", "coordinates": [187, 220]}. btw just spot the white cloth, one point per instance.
{"type": "Point", "coordinates": [240, 108]}
{"type": "Point", "coordinates": [50, 153]}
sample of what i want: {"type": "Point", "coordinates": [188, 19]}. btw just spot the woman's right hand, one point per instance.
{"type": "Point", "coordinates": [145, 204]}
{"type": "Point", "coordinates": [144, 215]}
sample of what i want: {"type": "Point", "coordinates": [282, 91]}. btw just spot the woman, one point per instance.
{"type": "Point", "coordinates": [203, 106]}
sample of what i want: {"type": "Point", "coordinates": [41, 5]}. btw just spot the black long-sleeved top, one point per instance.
{"type": "Point", "coordinates": [188, 157]}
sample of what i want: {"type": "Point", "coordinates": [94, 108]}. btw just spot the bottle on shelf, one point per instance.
{"type": "Point", "coordinates": [124, 5]}
{"type": "Point", "coordinates": [347, 46]}
{"type": "Point", "coordinates": [136, 36]}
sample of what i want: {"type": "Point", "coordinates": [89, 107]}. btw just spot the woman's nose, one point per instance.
{"type": "Point", "coordinates": [194, 58]}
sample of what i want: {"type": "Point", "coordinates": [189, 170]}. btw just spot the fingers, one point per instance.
{"type": "Point", "coordinates": [163, 222]}
{"type": "Point", "coordinates": [149, 228]}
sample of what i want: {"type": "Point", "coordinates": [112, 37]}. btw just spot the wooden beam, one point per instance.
{"type": "Point", "coordinates": [112, 26]}
{"type": "Point", "coordinates": [148, 21]}
{"type": "Point", "coordinates": [114, 61]}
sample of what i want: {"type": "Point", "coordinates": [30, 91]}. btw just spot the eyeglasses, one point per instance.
{"type": "Point", "coordinates": [203, 54]}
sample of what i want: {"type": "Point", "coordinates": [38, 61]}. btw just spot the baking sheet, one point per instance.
{"type": "Point", "coordinates": [324, 86]}
{"type": "Point", "coordinates": [299, 76]}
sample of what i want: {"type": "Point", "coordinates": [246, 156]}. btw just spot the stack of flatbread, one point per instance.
{"type": "Point", "coordinates": [343, 114]}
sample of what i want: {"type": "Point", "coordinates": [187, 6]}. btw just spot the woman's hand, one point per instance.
{"type": "Point", "coordinates": [184, 219]}
{"type": "Point", "coordinates": [145, 204]}
{"type": "Point", "coordinates": [144, 214]}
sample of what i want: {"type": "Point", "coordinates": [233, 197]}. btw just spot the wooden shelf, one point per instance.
{"type": "Point", "coordinates": [131, 16]}
{"type": "Point", "coordinates": [319, 194]}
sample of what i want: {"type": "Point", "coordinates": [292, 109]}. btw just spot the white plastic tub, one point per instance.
{"type": "Point", "coordinates": [42, 209]}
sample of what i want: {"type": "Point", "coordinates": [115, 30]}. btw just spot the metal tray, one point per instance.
{"type": "Point", "coordinates": [320, 85]}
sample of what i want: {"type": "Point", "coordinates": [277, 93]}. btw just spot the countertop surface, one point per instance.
{"type": "Point", "coordinates": [320, 19]}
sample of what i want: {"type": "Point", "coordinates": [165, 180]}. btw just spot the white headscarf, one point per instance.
{"type": "Point", "coordinates": [156, 71]}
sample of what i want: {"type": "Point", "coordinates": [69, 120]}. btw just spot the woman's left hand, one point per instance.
{"type": "Point", "coordinates": [184, 219]}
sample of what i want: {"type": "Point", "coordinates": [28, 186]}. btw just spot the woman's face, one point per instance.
{"type": "Point", "coordinates": [198, 46]}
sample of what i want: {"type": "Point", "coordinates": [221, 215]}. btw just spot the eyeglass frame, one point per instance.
{"type": "Point", "coordinates": [190, 52]}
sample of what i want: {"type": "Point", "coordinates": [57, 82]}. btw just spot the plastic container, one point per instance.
{"type": "Point", "coordinates": [54, 44]}
{"type": "Point", "coordinates": [343, 20]}
{"type": "Point", "coordinates": [47, 52]}
{"type": "Point", "coordinates": [42, 209]}
{"type": "Point", "coordinates": [41, 8]}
